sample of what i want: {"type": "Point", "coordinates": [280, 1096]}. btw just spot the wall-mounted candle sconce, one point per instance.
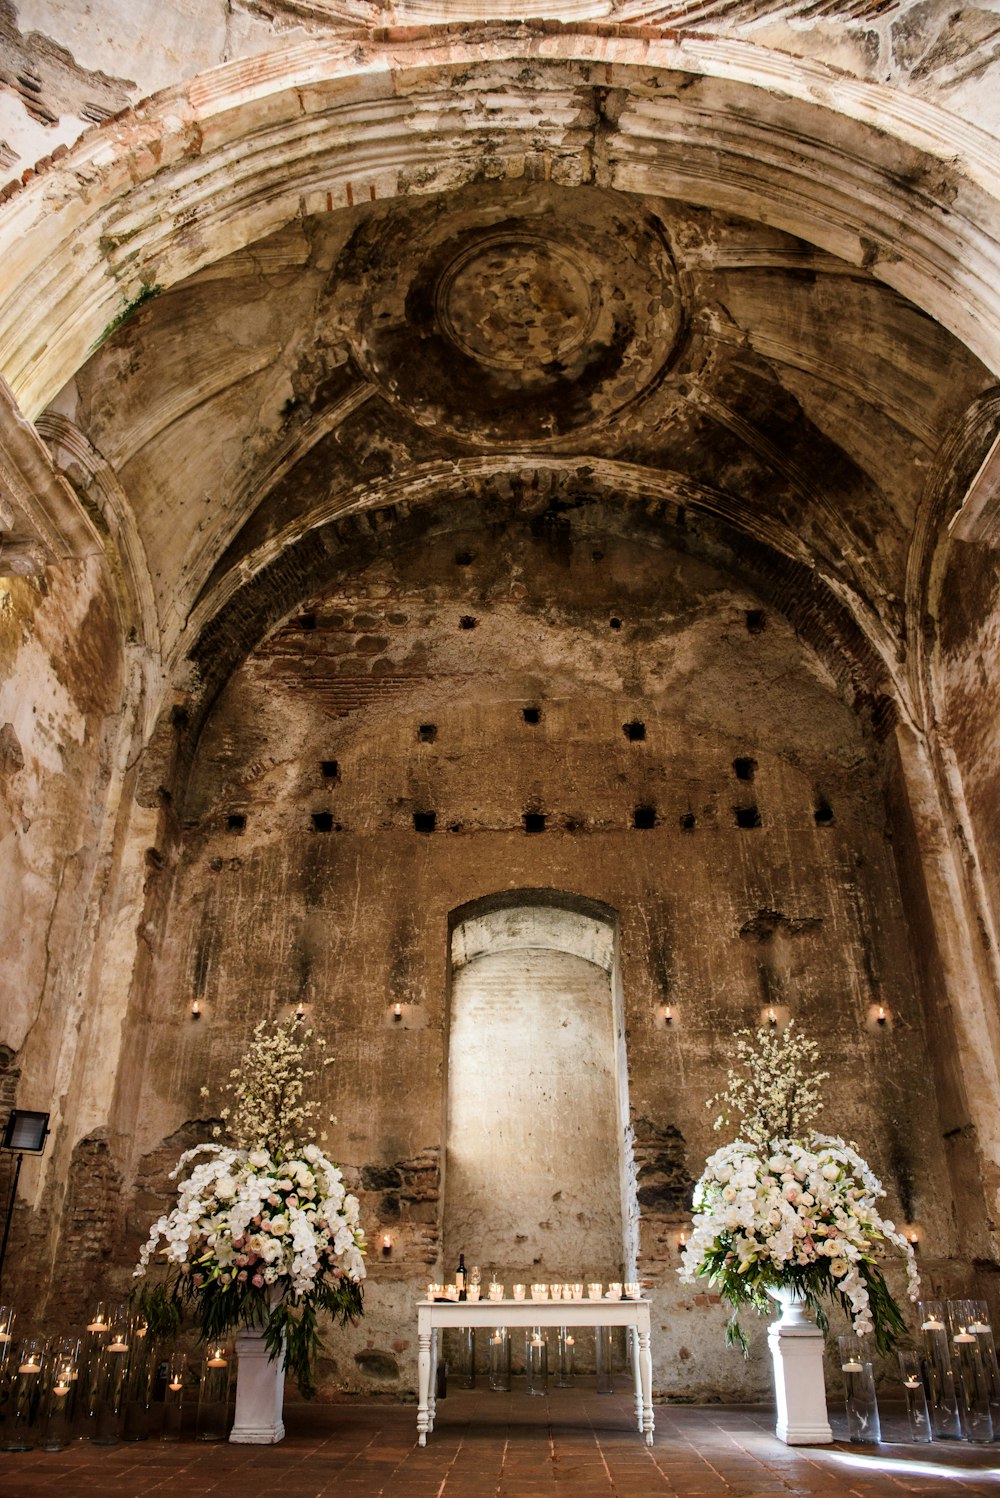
{"type": "Point", "coordinates": [196, 1009]}
{"type": "Point", "coordinates": [913, 1238]}
{"type": "Point", "coordinates": [387, 1243]}
{"type": "Point", "coordinates": [682, 1239]}
{"type": "Point", "coordinates": [300, 1011]}
{"type": "Point", "coordinates": [397, 1012]}
{"type": "Point", "coordinates": [773, 1017]}
{"type": "Point", "coordinates": [881, 1016]}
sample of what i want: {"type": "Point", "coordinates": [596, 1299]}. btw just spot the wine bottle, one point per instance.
{"type": "Point", "coordinates": [461, 1277]}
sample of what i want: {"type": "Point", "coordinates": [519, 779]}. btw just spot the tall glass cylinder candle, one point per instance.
{"type": "Point", "coordinates": [95, 1335]}
{"type": "Point", "coordinates": [983, 1329]}
{"type": "Point", "coordinates": [911, 1369]}
{"type": "Point", "coordinates": [945, 1418]}
{"type": "Point", "coordinates": [24, 1391]}
{"type": "Point", "coordinates": [863, 1423]}
{"type": "Point", "coordinates": [173, 1397]}
{"type": "Point", "coordinates": [213, 1395]}
{"type": "Point", "coordinates": [112, 1368]}
{"type": "Point", "coordinates": [467, 1360]}
{"type": "Point", "coordinates": [138, 1383]}
{"type": "Point", "coordinates": [536, 1361]}
{"type": "Point", "coordinates": [499, 1360]}
{"type": "Point", "coordinates": [602, 1360]}
{"type": "Point", "coordinates": [7, 1319]}
{"type": "Point", "coordinates": [62, 1383]}
{"type": "Point", "coordinates": [973, 1381]}
{"type": "Point", "coordinates": [567, 1358]}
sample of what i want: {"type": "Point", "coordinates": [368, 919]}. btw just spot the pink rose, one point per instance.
{"type": "Point", "coordinates": [258, 1281]}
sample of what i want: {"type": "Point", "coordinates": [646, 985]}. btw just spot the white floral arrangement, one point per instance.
{"type": "Point", "coordinates": [774, 1211]}
{"type": "Point", "coordinates": [264, 1232]}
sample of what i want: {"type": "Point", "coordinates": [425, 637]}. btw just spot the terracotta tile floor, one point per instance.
{"type": "Point", "coordinates": [574, 1443]}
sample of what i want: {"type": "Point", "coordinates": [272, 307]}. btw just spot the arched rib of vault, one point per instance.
{"type": "Point", "coordinates": [871, 175]}
{"type": "Point", "coordinates": [663, 509]}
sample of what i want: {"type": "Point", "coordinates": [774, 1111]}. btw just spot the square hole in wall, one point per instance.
{"type": "Point", "coordinates": [747, 816]}
{"type": "Point", "coordinates": [635, 731]}
{"type": "Point", "coordinates": [468, 621]}
{"type": "Point", "coordinates": [424, 821]}
{"type": "Point", "coordinates": [644, 817]}
{"type": "Point", "coordinates": [236, 822]}
{"type": "Point", "coordinates": [534, 821]}
{"type": "Point", "coordinates": [531, 714]}
{"type": "Point", "coordinates": [756, 621]}
{"type": "Point", "coordinates": [329, 769]}
{"type": "Point", "coordinates": [744, 769]}
{"type": "Point", "coordinates": [322, 821]}
{"type": "Point", "coordinates": [463, 559]}
{"type": "Point", "coordinates": [427, 733]}
{"type": "Point", "coordinates": [688, 821]}
{"type": "Point", "coordinates": [307, 621]}
{"type": "Point", "coordinates": [823, 813]}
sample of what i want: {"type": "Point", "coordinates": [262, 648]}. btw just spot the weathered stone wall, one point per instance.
{"type": "Point", "coordinates": [970, 678]}
{"type": "Point", "coordinates": [60, 699]}
{"type": "Point", "coordinates": [664, 695]}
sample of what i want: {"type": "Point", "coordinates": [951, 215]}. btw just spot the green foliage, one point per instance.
{"type": "Point", "coordinates": [290, 1326]}
{"type": "Point", "coordinates": [747, 1290]}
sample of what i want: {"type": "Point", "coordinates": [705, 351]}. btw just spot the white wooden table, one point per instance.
{"type": "Point", "coordinates": [436, 1315]}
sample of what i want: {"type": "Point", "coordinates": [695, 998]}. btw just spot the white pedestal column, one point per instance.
{"type": "Point", "coordinates": [796, 1344]}
{"type": "Point", "coordinates": [260, 1389]}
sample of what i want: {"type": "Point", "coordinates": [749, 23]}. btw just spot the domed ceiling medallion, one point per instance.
{"type": "Point", "coordinates": [516, 317]}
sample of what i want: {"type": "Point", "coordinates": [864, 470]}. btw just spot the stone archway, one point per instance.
{"type": "Point", "coordinates": [539, 1178]}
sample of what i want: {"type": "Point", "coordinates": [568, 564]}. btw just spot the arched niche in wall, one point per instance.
{"type": "Point", "coordinates": [539, 1179]}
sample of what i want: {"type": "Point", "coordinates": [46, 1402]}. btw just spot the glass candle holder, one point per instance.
{"type": "Point", "coordinates": [212, 1423]}
{"type": "Point", "coordinates": [911, 1370]}
{"type": "Point", "coordinates": [100, 1319]}
{"type": "Point", "coordinates": [859, 1391]}
{"type": "Point", "coordinates": [983, 1329]}
{"type": "Point", "coordinates": [605, 1383]}
{"type": "Point", "coordinates": [7, 1319]}
{"type": "Point", "coordinates": [614, 1291]}
{"type": "Point", "coordinates": [555, 1292]}
{"type": "Point", "coordinates": [518, 1292]}
{"type": "Point", "coordinates": [499, 1360]}
{"type": "Point", "coordinates": [92, 1342]}
{"type": "Point", "coordinates": [577, 1292]}
{"type": "Point", "coordinates": [633, 1290]}
{"type": "Point", "coordinates": [473, 1293]}
{"type": "Point", "coordinates": [539, 1292]}
{"type": "Point", "coordinates": [112, 1369]}
{"type": "Point", "coordinates": [22, 1396]}
{"type": "Point", "coordinates": [467, 1359]}
{"type": "Point", "coordinates": [972, 1381]}
{"type": "Point", "coordinates": [62, 1382]}
{"type": "Point", "coordinates": [173, 1397]}
{"type": "Point", "coordinates": [567, 1358]}
{"type": "Point", "coordinates": [536, 1361]}
{"type": "Point", "coordinates": [594, 1292]}
{"type": "Point", "coordinates": [944, 1400]}
{"type": "Point", "coordinates": [138, 1383]}
{"type": "Point", "coordinates": [495, 1292]}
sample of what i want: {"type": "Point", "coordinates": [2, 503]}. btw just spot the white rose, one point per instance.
{"type": "Point", "coordinates": [259, 1159]}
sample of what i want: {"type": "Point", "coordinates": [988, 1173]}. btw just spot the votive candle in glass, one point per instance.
{"type": "Point", "coordinates": [518, 1292]}
{"type": "Point", "coordinates": [912, 1373]}
{"type": "Point", "coordinates": [539, 1292]}
{"type": "Point", "coordinates": [495, 1292]}
{"type": "Point", "coordinates": [594, 1291]}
